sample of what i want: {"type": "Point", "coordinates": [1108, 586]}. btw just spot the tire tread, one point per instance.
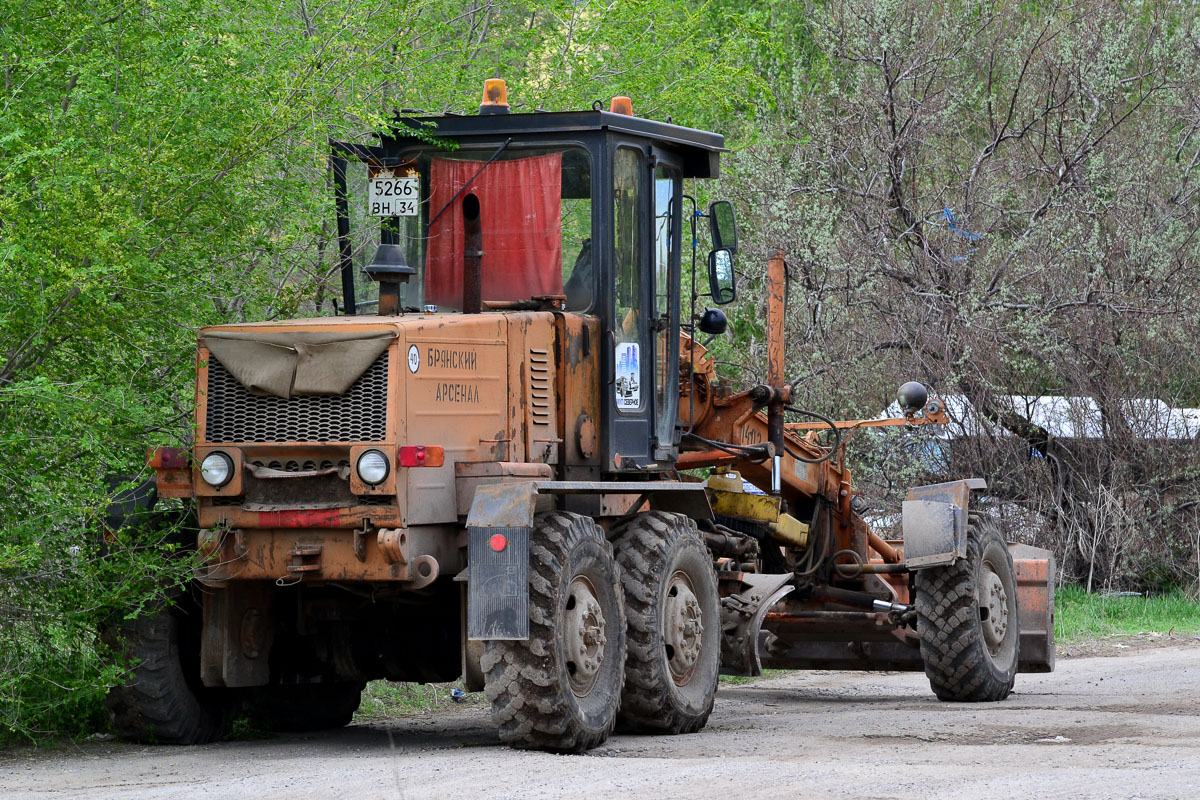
{"type": "Point", "coordinates": [529, 704]}
{"type": "Point", "coordinates": [643, 546]}
{"type": "Point", "coordinates": [952, 646]}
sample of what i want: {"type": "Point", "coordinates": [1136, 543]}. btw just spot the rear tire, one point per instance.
{"type": "Point", "coordinates": [162, 700]}
{"type": "Point", "coordinates": [674, 624]}
{"type": "Point", "coordinates": [967, 619]}
{"type": "Point", "coordinates": [559, 689]}
{"type": "Point", "coordinates": [303, 707]}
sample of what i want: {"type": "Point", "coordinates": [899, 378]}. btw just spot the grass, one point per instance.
{"type": "Point", "coordinates": [383, 699]}
{"type": "Point", "coordinates": [1079, 616]}
{"type": "Point", "coordinates": [738, 680]}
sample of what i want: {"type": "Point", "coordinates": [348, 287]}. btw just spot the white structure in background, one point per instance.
{"type": "Point", "coordinates": [1066, 417]}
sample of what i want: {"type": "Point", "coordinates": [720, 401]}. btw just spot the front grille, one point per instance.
{"type": "Point", "coordinates": [235, 415]}
{"type": "Point", "coordinates": [274, 494]}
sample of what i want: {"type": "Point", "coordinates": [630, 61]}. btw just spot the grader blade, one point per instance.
{"type": "Point", "coordinates": [796, 635]}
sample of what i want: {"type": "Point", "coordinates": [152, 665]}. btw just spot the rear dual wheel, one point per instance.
{"type": "Point", "coordinates": [674, 630]}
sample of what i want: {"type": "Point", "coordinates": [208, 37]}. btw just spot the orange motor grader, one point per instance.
{"type": "Point", "coordinates": [492, 477]}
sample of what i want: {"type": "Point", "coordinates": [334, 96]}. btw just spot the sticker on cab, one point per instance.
{"type": "Point", "coordinates": [414, 359]}
{"type": "Point", "coordinates": [628, 370]}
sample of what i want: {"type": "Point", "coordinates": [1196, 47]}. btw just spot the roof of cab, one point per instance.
{"type": "Point", "coordinates": [562, 121]}
{"type": "Point", "coordinates": [699, 148]}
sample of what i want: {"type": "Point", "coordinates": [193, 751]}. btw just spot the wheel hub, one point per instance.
{"type": "Point", "coordinates": [993, 597]}
{"type": "Point", "coordinates": [683, 628]}
{"type": "Point", "coordinates": [584, 639]}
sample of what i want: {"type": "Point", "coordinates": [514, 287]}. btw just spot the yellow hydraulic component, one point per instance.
{"type": "Point", "coordinates": [789, 530]}
{"type": "Point", "coordinates": [727, 498]}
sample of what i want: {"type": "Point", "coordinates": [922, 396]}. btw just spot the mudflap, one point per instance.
{"type": "Point", "coordinates": [498, 529]}
{"type": "Point", "coordinates": [742, 614]}
{"type": "Point", "coordinates": [935, 523]}
{"type": "Point", "coordinates": [1034, 570]}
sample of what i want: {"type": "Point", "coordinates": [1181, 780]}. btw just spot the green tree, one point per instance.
{"type": "Point", "coordinates": [162, 166]}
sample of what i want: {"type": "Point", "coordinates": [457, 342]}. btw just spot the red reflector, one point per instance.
{"type": "Point", "coordinates": [498, 542]}
{"type": "Point", "coordinates": [421, 455]}
{"type": "Point", "coordinates": [167, 458]}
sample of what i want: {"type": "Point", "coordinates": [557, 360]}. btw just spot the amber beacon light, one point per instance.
{"type": "Point", "coordinates": [621, 105]}
{"type": "Point", "coordinates": [495, 97]}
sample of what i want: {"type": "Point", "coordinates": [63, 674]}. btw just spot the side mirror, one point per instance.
{"type": "Point", "coordinates": [722, 224]}
{"type": "Point", "coordinates": [722, 285]}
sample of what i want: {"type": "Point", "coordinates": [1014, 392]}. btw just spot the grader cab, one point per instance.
{"type": "Point", "coordinates": [495, 476]}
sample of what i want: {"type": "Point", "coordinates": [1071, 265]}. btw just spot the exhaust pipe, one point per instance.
{"type": "Point", "coordinates": [472, 256]}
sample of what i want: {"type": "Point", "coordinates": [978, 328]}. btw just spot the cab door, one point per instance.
{"type": "Point", "coordinates": [643, 318]}
{"type": "Point", "coordinates": [666, 174]}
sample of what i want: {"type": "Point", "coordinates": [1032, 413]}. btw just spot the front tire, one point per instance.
{"type": "Point", "coordinates": [559, 689]}
{"type": "Point", "coordinates": [162, 700]}
{"type": "Point", "coordinates": [673, 624]}
{"type": "Point", "coordinates": [967, 619]}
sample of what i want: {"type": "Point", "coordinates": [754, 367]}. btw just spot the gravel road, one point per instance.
{"type": "Point", "coordinates": [1114, 721]}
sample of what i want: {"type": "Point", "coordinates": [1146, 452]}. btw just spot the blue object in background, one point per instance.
{"type": "Point", "coordinates": [965, 234]}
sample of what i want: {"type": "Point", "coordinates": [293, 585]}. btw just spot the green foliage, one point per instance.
{"type": "Point", "coordinates": [162, 167]}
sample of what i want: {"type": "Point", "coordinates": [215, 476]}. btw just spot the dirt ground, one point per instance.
{"type": "Point", "coordinates": [1118, 719]}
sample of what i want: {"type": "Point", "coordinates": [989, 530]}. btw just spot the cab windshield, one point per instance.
{"type": "Point", "coordinates": [536, 219]}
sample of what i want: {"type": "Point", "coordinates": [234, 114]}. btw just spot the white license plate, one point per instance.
{"type": "Point", "coordinates": [391, 195]}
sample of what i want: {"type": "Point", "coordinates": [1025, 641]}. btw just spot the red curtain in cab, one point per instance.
{"type": "Point", "coordinates": [519, 203]}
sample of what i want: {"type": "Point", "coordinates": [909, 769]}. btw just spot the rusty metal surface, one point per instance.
{"type": "Point", "coordinates": [935, 414]}
{"type": "Point", "coordinates": [345, 518]}
{"type": "Point", "coordinates": [173, 482]}
{"type": "Point", "coordinates": [742, 614]}
{"type": "Point", "coordinates": [392, 543]}
{"type": "Point", "coordinates": [675, 496]}
{"type": "Point", "coordinates": [956, 492]}
{"type": "Point", "coordinates": [776, 379]}
{"type": "Point", "coordinates": [470, 475]}
{"type": "Point", "coordinates": [577, 384]}
{"type": "Point", "coordinates": [289, 556]}
{"type": "Point", "coordinates": [503, 505]}
{"type": "Point", "coordinates": [460, 397]}
{"type": "Point", "coordinates": [890, 554]}
{"type": "Point", "coordinates": [1035, 575]}
{"type": "Point", "coordinates": [935, 522]}
{"type": "Point", "coordinates": [267, 473]}
{"type": "Point", "coordinates": [542, 428]}
{"type": "Point", "coordinates": [885, 654]}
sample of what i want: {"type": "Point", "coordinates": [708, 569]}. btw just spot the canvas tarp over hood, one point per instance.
{"type": "Point", "coordinates": [290, 363]}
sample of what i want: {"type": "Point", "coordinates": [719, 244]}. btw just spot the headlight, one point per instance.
{"type": "Point", "coordinates": [216, 469]}
{"type": "Point", "coordinates": [373, 467]}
